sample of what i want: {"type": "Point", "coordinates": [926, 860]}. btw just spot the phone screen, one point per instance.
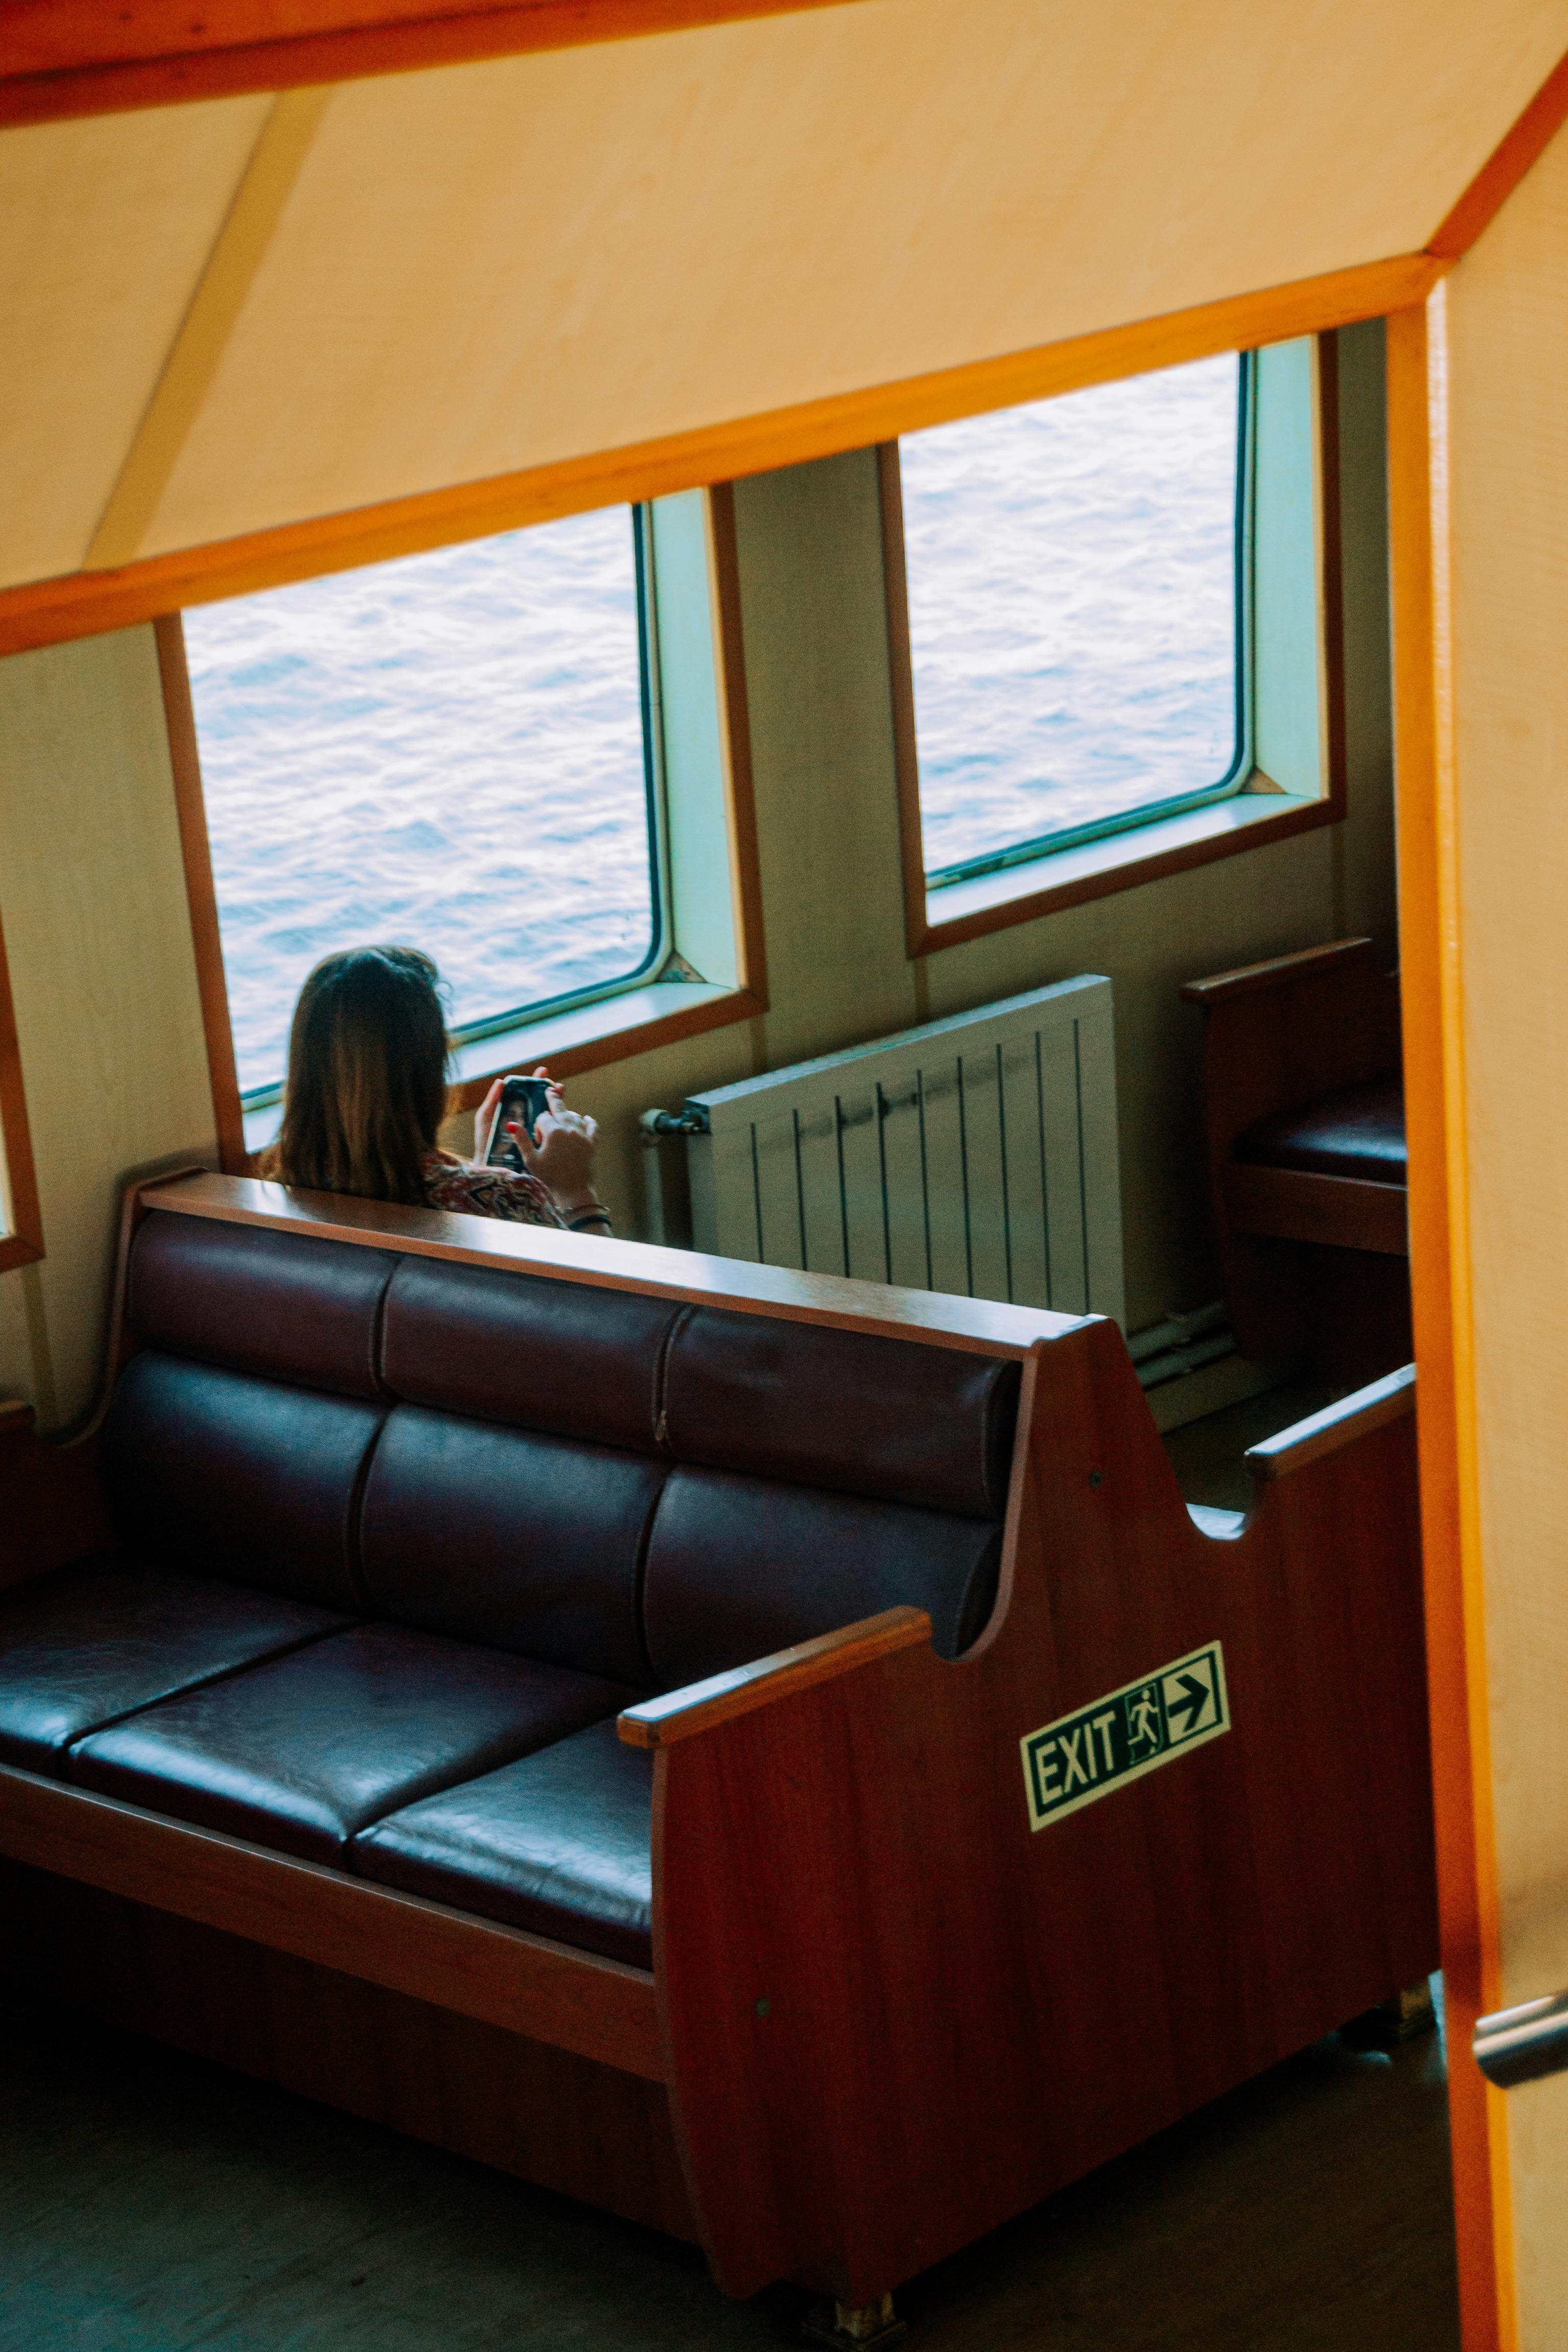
{"type": "Point", "coordinates": [522, 1103]}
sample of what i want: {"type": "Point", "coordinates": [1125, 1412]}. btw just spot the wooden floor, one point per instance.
{"type": "Point", "coordinates": [152, 2203]}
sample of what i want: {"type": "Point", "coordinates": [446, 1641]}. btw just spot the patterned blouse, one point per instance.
{"type": "Point", "coordinates": [477, 1192]}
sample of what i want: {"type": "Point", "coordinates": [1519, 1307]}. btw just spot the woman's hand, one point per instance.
{"type": "Point", "coordinates": [560, 1151]}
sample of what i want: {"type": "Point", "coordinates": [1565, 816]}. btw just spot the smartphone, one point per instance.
{"type": "Point", "coordinates": [523, 1101]}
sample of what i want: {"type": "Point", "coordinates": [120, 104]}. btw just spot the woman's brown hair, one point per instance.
{"type": "Point", "coordinates": [367, 1077]}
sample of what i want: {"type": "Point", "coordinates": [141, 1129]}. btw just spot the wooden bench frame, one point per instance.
{"type": "Point", "coordinates": [884, 2014]}
{"type": "Point", "coordinates": [1277, 1036]}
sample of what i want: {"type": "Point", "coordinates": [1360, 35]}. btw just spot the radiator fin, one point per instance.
{"type": "Point", "coordinates": [976, 1155]}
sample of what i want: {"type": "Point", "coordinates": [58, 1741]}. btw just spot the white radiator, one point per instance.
{"type": "Point", "coordinates": [977, 1154]}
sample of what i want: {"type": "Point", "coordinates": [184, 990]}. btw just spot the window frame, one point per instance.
{"type": "Point", "coordinates": [673, 1003]}
{"type": "Point", "coordinates": [1169, 837]}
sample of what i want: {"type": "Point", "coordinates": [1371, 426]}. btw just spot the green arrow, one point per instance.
{"type": "Point", "coordinates": [1194, 1698]}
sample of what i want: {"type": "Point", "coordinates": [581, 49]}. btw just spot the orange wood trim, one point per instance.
{"type": "Point", "coordinates": [24, 1244]}
{"type": "Point", "coordinates": [82, 603]}
{"type": "Point", "coordinates": [601, 2008]}
{"type": "Point", "coordinates": [1129, 876]}
{"type": "Point", "coordinates": [1301, 1204]}
{"type": "Point", "coordinates": [97, 56]}
{"type": "Point", "coordinates": [1432, 1001]}
{"type": "Point", "coordinates": [745, 866]}
{"type": "Point", "coordinates": [901, 688]}
{"type": "Point", "coordinates": [938, 1318]}
{"type": "Point", "coordinates": [1278, 972]}
{"type": "Point", "coordinates": [1504, 168]}
{"type": "Point", "coordinates": [1370, 1408]}
{"type": "Point", "coordinates": [659, 1722]}
{"type": "Point", "coordinates": [185, 758]}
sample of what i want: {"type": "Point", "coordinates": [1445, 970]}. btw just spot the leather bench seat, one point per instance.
{"type": "Point", "coordinates": [302, 1752]}
{"type": "Point", "coordinates": [559, 1844]}
{"type": "Point", "coordinates": [97, 1640]}
{"type": "Point", "coordinates": [1357, 1131]}
{"type": "Point", "coordinates": [402, 1537]}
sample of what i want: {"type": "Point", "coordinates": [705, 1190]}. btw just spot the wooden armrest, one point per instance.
{"type": "Point", "coordinates": [1338, 1424]}
{"type": "Point", "coordinates": [658, 1722]}
{"type": "Point", "coordinates": [15, 1414]}
{"type": "Point", "coordinates": [1279, 972]}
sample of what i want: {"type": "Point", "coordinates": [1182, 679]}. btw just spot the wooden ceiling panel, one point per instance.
{"type": "Point", "coordinates": [494, 266]}
{"type": "Point", "coordinates": [104, 228]}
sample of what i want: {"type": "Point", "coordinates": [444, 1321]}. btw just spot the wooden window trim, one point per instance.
{"type": "Point", "coordinates": [612, 1045]}
{"type": "Point", "coordinates": [24, 1244]}
{"type": "Point", "coordinates": [923, 937]}
{"type": "Point", "coordinates": [86, 603]}
{"type": "Point", "coordinates": [76, 58]}
{"type": "Point", "coordinates": [1431, 935]}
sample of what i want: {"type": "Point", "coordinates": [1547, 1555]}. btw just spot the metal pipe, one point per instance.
{"type": "Point", "coordinates": [1521, 2045]}
{"type": "Point", "coordinates": [658, 1123]}
{"type": "Point", "coordinates": [1175, 1331]}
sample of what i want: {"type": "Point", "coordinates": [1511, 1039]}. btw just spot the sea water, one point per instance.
{"type": "Point", "coordinates": [446, 752]}
{"type": "Point", "coordinates": [1072, 607]}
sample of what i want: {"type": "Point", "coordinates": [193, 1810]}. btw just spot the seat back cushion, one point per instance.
{"type": "Point", "coordinates": [523, 1349]}
{"type": "Point", "coordinates": [283, 1305]}
{"type": "Point", "coordinates": [895, 1419]}
{"type": "Point", "coordinates": [508, 1537]}
{"type": "Point", "coordinates": [740, 1567]}
{"type": "Point", "coordinates": [214, 1472]}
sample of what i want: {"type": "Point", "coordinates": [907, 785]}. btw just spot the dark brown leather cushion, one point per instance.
{"type": "Point", "coordinates": [215, 1473]}
{"type": "Point", "coordinates": [928, 1426]}
{"type": "Point", "coordinates": [518, 1348]}
{"type": "Point", "coordinates": [90, 1643]}
{"type": "Point", "coordinates": [301, 1753]}
{"type": "Point", "coordinates": [277, 1305]}
{"type": "Point", "coordinates": [1357, 1131]}
{"type": "Point", "coordinates": [559, 1843]}
{"type": "Point", "coordinates": [504, 1535]}
{"type": "Point", "coordinates": [738, 1568]}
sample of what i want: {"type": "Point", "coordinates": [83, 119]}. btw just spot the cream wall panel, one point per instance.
{"type": "Point", "coordinates": [1362, 847]}
{"type": "Point", "coordinates": [1509, 471]}
{"type": "Point", "coordinates": [491, 267]}
{"type": "Point", "coordinates": [1149, 940]}
{"type": "Point", "coordinates": [104, 228]}
{"type": "Point", "coordinates": [92, 895]}
{"type": "Point", "coordinates": [814, 615]}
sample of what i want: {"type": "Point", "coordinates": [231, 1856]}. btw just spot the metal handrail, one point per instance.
{"type": "Point", "coordinates": [1521, 2045]}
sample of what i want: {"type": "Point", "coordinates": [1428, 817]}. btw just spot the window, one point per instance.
{"type": "Point", "coordinates": [455, 750]}
{"type": "Point", "coordinates": [1077, 582]}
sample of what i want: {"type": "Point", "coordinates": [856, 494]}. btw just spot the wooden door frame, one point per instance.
{"type": "Point", "coordinates": [1431, 960]}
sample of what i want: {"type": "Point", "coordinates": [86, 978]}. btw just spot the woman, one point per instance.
{"type": "Point", "coordinates": [367, 1091]}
